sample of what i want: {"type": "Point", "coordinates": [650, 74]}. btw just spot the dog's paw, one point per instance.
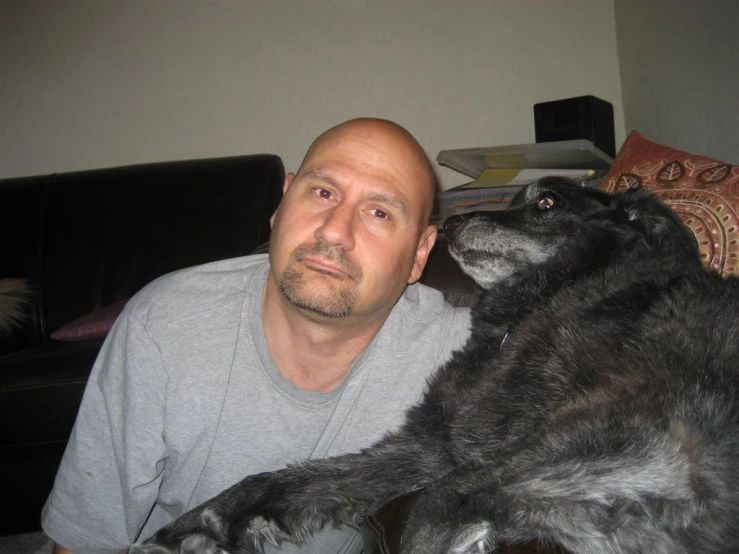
{"type": "Point", "coordinates": [210, 534]}
{"type": "Point", "coordinates": [473, 539]}
{"type": "Point", "coordinates": [191, 544]}
{"type": "Point", "coordinates": [199, 531]}
{"type": "Point", "coordinates": [476, 538]}
{"type": "Point", "coordinates": [260, 531]}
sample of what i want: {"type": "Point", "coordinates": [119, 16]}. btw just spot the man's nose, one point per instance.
{"type": "Point", "coordinates": [337, 229]}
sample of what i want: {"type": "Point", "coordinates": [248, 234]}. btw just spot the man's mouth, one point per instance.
{"type": "Point", "coordinates": [325, 267]}
{"type": "Point", "coordinates": [327, 261]}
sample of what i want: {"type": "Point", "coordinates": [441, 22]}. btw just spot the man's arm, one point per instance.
{"type": "Point", "coordinates": [103, 493]}
{"type": "Point", "coordinates": [61, 550]}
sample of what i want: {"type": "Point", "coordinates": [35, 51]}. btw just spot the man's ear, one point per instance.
{"type": "Point", "coordinates": [425, 244]}
{"type": "Point", "coordinates": [289, 178]}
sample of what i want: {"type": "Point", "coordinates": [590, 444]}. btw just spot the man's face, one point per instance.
{"type": "Point", "coordinates": [351, 230]}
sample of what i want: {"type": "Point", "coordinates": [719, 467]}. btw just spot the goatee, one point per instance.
{"type": "Point", "coordinates": [343, 291]}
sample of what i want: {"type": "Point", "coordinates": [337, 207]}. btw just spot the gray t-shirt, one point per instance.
{"type": "Point", "coordinates": [185, 400]}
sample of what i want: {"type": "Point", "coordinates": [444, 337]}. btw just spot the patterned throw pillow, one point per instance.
{"type": "Point", "coordinates": [704, 191]}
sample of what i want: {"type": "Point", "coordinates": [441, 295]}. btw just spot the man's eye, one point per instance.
{"type": "Point", "coordinates": [324, 193]}
{"type": "Point", "coordinates": [380, 214]}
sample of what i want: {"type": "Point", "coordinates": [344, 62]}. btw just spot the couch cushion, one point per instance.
{"type": "Point", "coordinates": [41, 389]}
{"type": "Point", "coordinates": [703, 190]}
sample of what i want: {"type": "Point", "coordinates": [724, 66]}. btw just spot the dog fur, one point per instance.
{"type": "Point", "coordinates": [594, 406]}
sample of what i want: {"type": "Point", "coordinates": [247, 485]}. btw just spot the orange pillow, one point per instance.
{"type": "Point", "coordinates": [704, 191]}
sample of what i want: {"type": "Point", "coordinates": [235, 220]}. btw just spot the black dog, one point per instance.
{"type": "Point", "coordinates": [595, 405]}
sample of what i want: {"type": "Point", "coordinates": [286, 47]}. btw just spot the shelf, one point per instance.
{"type": "Point", "coordinates": [565, 154]}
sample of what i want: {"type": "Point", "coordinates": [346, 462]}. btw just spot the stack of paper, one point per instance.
{"type": "Point", "coordinates": [495, 188]}
{"type": "Point", "coordinates": [499, 172]}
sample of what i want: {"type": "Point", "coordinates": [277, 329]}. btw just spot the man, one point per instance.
{"type": "Point", "coordinates": [245, 365]}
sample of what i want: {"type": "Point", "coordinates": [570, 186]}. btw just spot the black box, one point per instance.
{"type": "Point", "coordinates": [584, 117]}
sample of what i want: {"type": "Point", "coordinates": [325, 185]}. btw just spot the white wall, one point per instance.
{"type": "Point", "coordinates": [98, 84]}
{"type": "Point", "coordinates": [680, 73]}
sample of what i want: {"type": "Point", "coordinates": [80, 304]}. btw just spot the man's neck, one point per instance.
{"type": "Point", "coordinates": [311, 351]}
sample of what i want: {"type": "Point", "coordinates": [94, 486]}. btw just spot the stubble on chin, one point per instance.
{"type": "Point", "coordinates": [325, 293]}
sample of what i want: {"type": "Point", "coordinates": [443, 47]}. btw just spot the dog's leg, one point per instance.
{"type": "Point", "coordinates": [590, 491]}
{"type": "Point", "coordinates": [447, 520]}
{"type": "Point", "coordinates": [458, 519]}
{"type": "Point", "coordinates": [291, 504]}
{"type": "Point", "coordinates": [627, 482]}
{"type": "Point", "coordinates": [600, 505]}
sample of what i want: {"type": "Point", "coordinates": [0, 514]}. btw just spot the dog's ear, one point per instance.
{"type": "Point", "coordinates": [647, 213]}
{"type": "Point", "coordinates": [659, 226]}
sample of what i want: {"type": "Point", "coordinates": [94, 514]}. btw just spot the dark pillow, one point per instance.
{"type": "Point", "coordinates": [91, 326]}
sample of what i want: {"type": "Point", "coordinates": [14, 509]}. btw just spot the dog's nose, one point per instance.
{"type": "Point", "coordinates": [452, 222]}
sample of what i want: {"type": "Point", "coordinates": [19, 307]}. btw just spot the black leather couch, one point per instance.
{"type": "Point", "coordinates": [85, 240]}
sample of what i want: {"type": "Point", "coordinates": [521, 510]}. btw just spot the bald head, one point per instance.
{"type": "Point", "coordinates": [384, 143]}
{"type": "Point", "coordinates": [352, 230]}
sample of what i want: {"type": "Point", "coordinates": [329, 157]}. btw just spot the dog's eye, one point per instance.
{"type": "Point", "coordinates": [544, 203]}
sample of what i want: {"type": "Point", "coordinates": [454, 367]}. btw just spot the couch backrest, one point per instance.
{"type": "Point", "coordinates": [444, 274]}
{"type": "Point", "coordinates": [87, 239]}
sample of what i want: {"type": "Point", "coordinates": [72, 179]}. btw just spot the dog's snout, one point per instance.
{"type": "Point", "coordinates": [452, 222]}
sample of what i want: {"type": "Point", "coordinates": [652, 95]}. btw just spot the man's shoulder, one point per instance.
{"type": "Point", "coordinates": [198, 289]}
{"type": "Point", "coordinates": [425, 304]}
{"type": "Point", "coordinates": [423, 318]}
